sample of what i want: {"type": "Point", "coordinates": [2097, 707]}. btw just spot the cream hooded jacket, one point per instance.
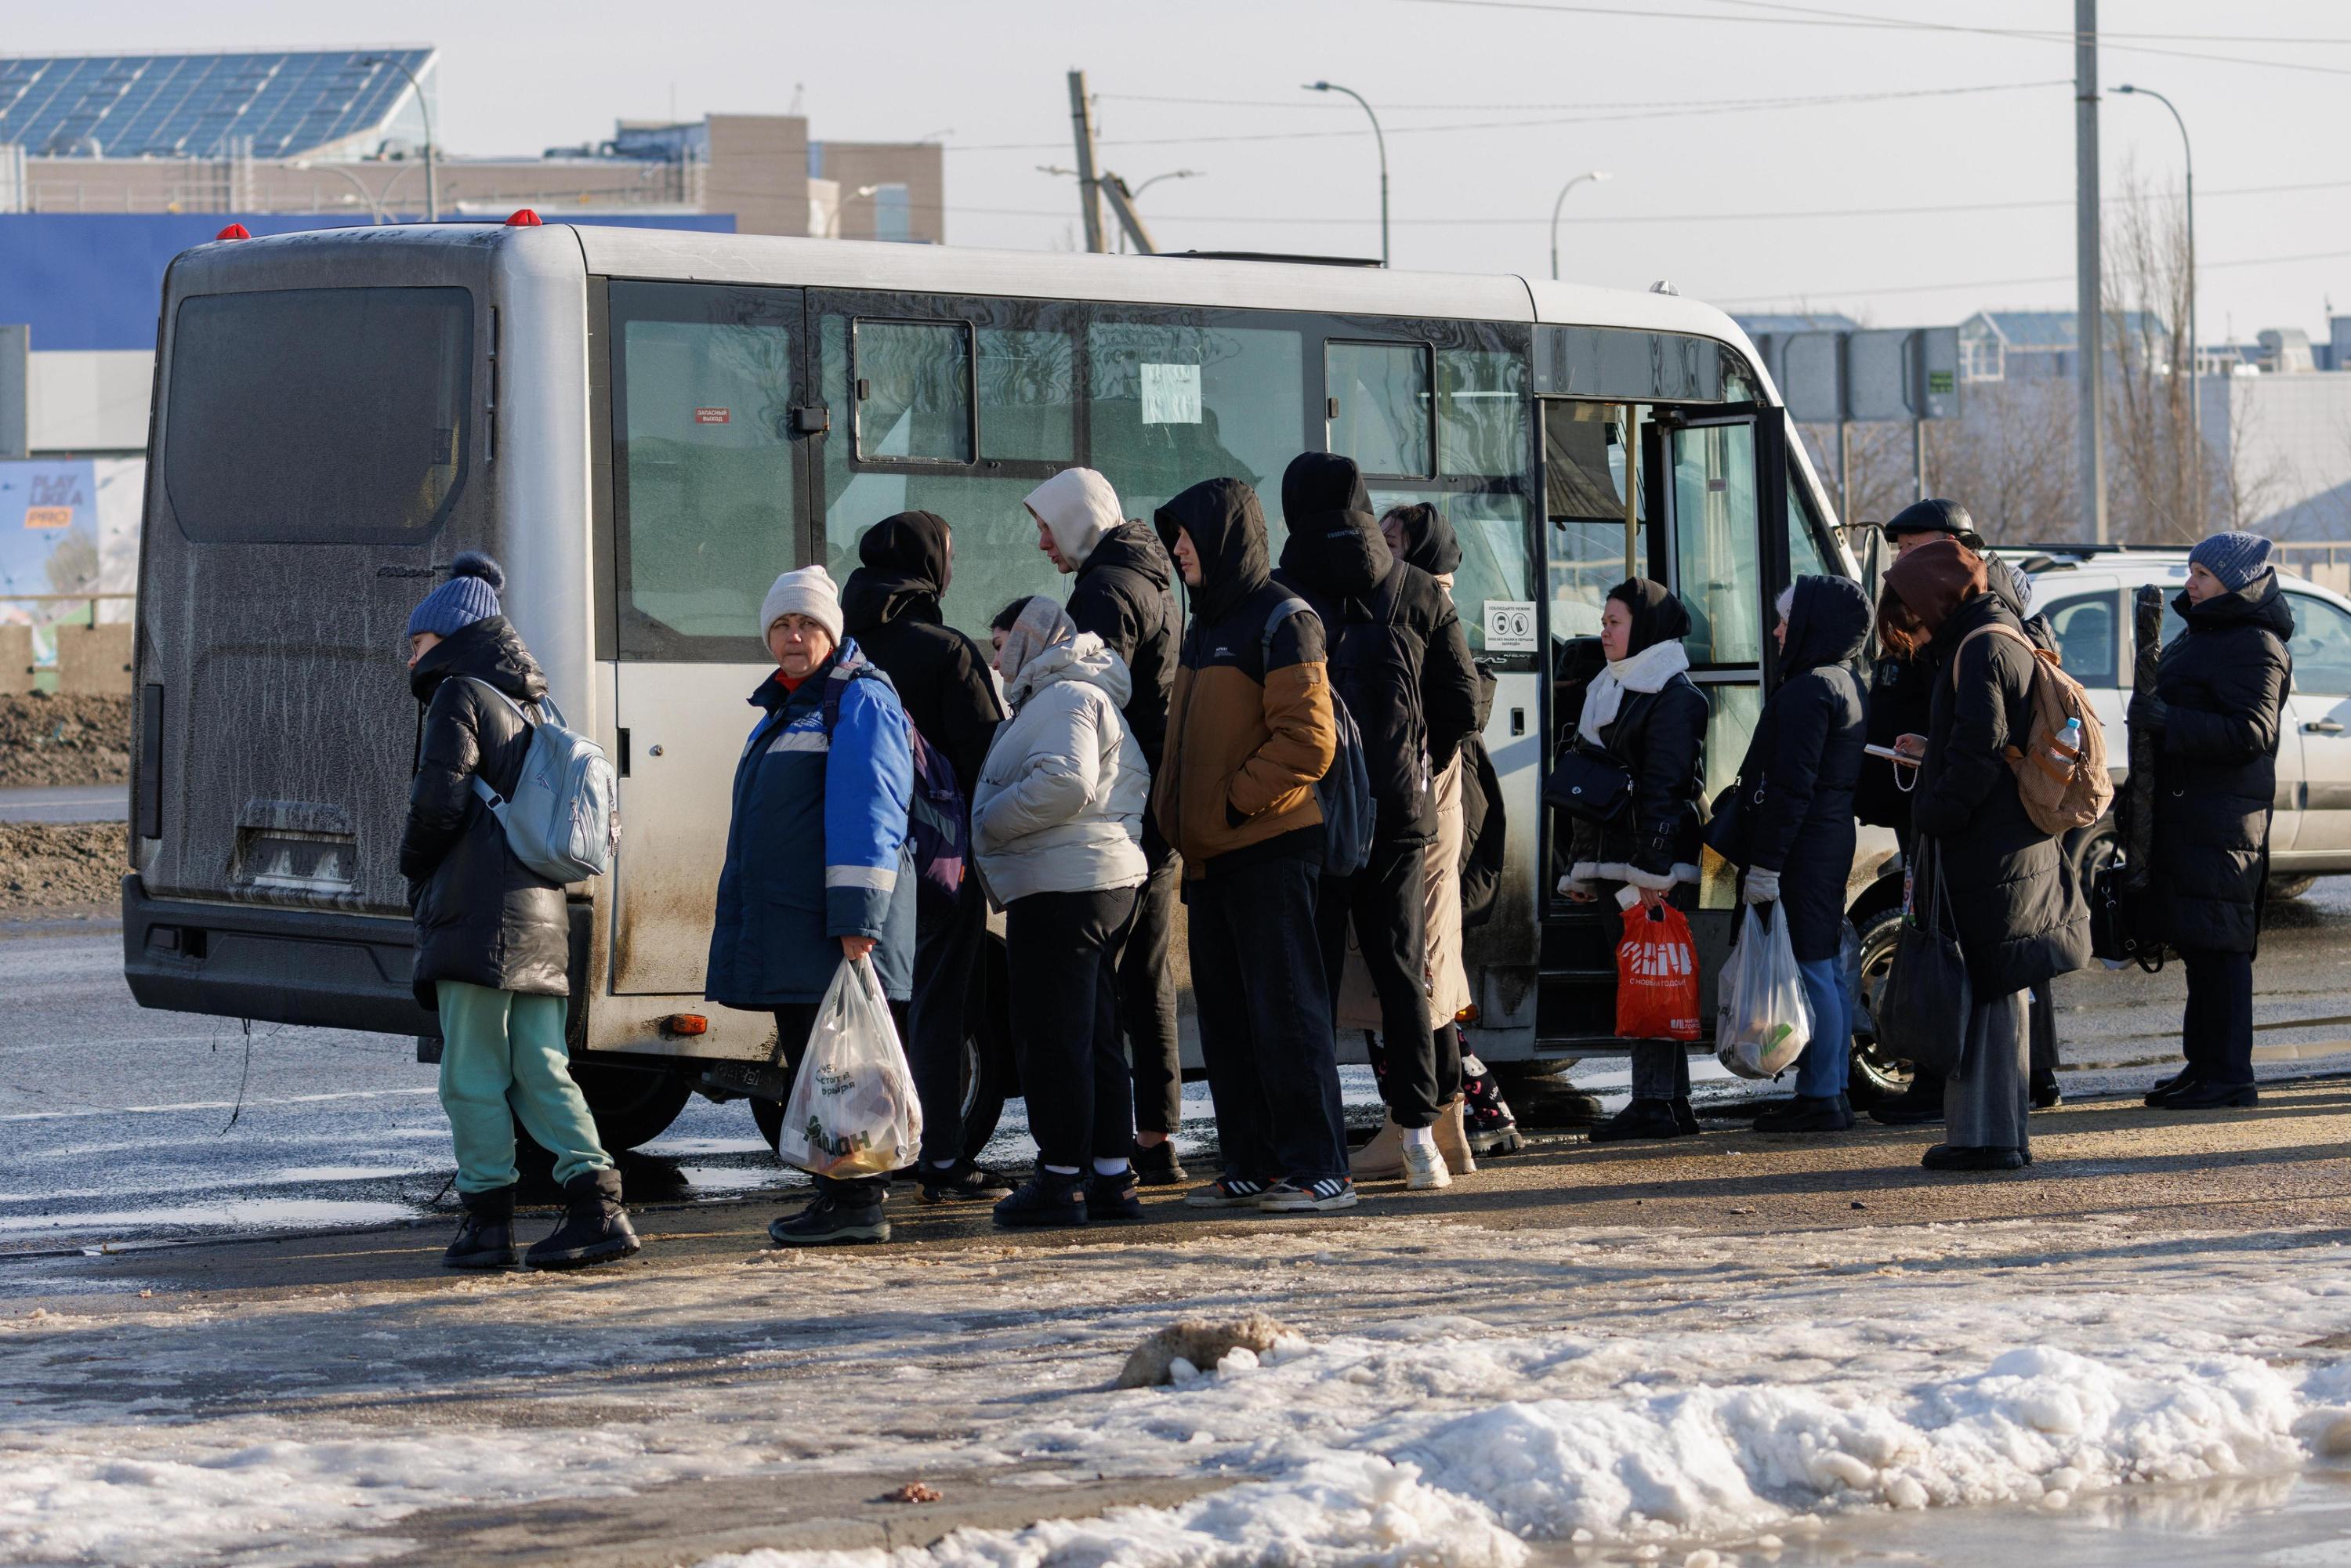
{"type": "Point", "coordinates": [1060, 803]}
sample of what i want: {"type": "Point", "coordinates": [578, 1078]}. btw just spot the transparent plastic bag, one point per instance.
{"type": "Point", "coordinates": [853, 1111]}
{"type": "Point", "coordinates": [1762, 1021]}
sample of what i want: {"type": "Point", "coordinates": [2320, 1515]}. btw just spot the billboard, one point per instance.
{"type": "Point", "coordinates": [68, 527]}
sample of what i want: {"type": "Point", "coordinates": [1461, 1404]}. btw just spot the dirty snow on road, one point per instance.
{"type": "Point", "coordinates": [1454, 1392]}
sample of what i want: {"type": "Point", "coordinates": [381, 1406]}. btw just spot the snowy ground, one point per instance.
{"type": "Point", "coordinates": [1459, 1394]}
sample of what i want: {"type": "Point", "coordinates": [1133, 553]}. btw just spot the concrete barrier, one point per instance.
{"type": "Point", "coordinates": [15, 661]}
{"type": "Point", "coordinates": [94, 661]}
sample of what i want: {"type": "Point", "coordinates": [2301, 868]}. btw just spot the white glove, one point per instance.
{"type": "Point", "coordinates": [1763, 887]}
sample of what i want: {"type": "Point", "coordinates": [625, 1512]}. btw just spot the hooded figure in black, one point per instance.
{"type": "Point", "coordinates": [891, 605]}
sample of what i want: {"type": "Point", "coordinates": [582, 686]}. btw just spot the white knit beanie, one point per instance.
{"type": "Point", "coordinates": [809, 591]}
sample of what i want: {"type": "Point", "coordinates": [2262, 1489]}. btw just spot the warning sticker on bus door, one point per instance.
{"type": "Point", "coordinates": [1510, 625]}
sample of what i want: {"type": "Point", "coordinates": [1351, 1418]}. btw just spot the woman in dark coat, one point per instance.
{"type": "Point", "coordinates": [1788, 823]}
{"type": "Point", "coordinates": [1642, 712]}
{"type": "Point", "coordinates": [2217, 694]}
{"type": "Point", "coordinates": [2021, 920]}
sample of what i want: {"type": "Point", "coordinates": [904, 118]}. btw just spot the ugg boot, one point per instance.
{"type": "Point", "coordinates": [594, 1230]}
{"type": "Point", "coordinates": [1381, 1159]}
{"type": "Point", "coordinates": [1452, 1139]}
{"type": "Point", "coordinates": [486, 1236]}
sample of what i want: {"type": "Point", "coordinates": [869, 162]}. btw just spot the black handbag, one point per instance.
{"type": "Point", "coordinates": [1923, 1008]}
{"type": "Point", "coordinates": [1727, 825]}
{"type": "Point", "coordinates": [1589, 784]}
{"type": "Point", "coordinates": [2123, 928]}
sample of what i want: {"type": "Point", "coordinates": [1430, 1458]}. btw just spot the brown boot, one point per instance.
{"type": "Point", "coordinates": [1381, 1159]}
{"type": "Point", "coordinates": [1452, 1139]}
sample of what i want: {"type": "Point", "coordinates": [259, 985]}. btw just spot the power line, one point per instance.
{"type": "Point", "coordinates": [2005, 282]}
{"type": "Point", "coordinates": [2062, 35]}
{"type": "Point", "coordinates": [1588, 106]}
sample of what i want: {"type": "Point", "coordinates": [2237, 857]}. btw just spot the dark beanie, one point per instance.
{"type": "Point", "coordinates": [471, 594]}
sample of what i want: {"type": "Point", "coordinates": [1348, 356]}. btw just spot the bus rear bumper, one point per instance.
{"type": "Point", "coordinates": [317, 966]}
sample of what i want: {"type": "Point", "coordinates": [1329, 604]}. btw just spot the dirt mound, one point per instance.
{"type": "Point", "coordinates": [53, 741]}
{"type": "Point", "coordinates": [62, 865]}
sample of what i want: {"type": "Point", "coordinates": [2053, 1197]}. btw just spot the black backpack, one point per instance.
{"type": "Point", "coordinates": [1374, 667]}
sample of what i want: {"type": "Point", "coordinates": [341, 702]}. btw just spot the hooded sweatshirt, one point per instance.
{"type": "Point", "coordinates": [891, 605]}
{"type": "Point", "coordinates": [1060, 800]}
{"type": "Point", "coordinates": [1123, 591]}
{"type": "Point", "coordinates": [1430, 542]}
{"type": "Point", "coordinates": [1249, 729]}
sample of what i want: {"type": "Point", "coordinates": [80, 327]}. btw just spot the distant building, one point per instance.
{"type": "Point", "coordinates": [2044, 345]}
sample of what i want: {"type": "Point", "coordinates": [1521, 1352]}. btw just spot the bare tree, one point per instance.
{"type": "Point", "coordinates": [2010, 460]}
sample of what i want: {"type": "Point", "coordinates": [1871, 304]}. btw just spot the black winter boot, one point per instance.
{"type": "Point", "coordinates": [1158, 1165]}
{"type": "Point", "coordinates": [486, 1234]}
{"type": "Point", "coordinates": [594, 1229]}
{"type": "Point", "coordinates": [2045, 1092]}
{"type": "Point", "coordinates": [1644, 1118]}
{"type": "Point", "coordinates": [1915, 1106]}
{"type": "Point", "coordinates": [1807, 1113]}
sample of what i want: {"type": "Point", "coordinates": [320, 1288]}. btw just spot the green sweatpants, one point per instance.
{"type": "Point", "coordinates": [502, 1059]}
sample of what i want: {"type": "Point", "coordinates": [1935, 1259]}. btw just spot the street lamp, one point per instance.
{"type": "Point", "coordinates": [432, 190]}
{"type": "Point", "coordinates": [1377, 136]}
{"type": "Point", "coordinates": [371, 198]}
{"type": "Point", "coordinates": [2195, 371]}
{"type": "Point", "coordinates": [832, 229]}
{"type": "Point", "coordinates": [1171, 174]}
{"type": "Point", "coordinates": [1595, 175]}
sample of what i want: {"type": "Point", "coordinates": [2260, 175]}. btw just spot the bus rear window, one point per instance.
{"type": "Point", "coordinates": [320, 415]}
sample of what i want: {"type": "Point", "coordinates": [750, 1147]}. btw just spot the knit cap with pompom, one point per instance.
{"type": "Point", "coordinates": [471, 594]}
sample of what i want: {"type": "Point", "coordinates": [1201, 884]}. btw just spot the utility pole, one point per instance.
{"type": "Point", "coordinates": [1081, 125]}
{"type": "Point", "coordinates": [2089, 270]}
{"type": "Point", "coordinates": [1122, 205]}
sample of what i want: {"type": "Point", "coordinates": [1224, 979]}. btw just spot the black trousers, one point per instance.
{"type": "Point", "coordinates": [793, 1023]}
{"type": "Point", "coordinates": [1264, 1002]}
{"type": "Point", "coordinates": [1387, 905]}
{"type": "Point", "coordinates": [2216, 1033]}
{"type": "Point", "coordinates": [1061, 949]}
{"type": "Point", "coordinates": [948, 936]}
{"type": "Point", "coordinates": [1147, 992]}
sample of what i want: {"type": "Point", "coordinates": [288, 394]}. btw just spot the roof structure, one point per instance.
{"type": "Point", "coordinates": [1775, 325]}
{"type": "Point", "coordinates": [2030, 330]}
{"type": "Point", "coordinates": [289, 103]}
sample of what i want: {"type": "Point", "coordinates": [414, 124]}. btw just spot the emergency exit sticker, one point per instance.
{"type": "Point", "coordinates": [712, 416]}
{"type": "Point", "coordinates": [1510, 625]}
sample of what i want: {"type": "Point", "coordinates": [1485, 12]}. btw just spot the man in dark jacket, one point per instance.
{"type": "Point", "coordinates": [1400, 662]}
{"type": "Point", "coordinates": [493, 937]}
{"type": "Point", "coordinates": [1123, 594]}
{"type": "Point", "coordinates": [891, 606]}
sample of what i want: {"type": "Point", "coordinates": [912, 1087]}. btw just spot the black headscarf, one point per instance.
{"type": "Point", "coordinates": [905, 573]}
{"type": "Point", "coordinates": [1657, 615]}
{"type": "Point", "coordinates": [1428, 539]}
{"type": "Point", "coordinates": [1228, 530]}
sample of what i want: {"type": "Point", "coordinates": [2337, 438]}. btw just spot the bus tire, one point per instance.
{"type": "Point", "coordinates": [1875, 1074]}
{"type": "Point", "coordinates": [632, 1106]}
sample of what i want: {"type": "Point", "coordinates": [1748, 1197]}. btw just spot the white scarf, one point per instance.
{"type": "Point", "coordinates": [1645, 670]}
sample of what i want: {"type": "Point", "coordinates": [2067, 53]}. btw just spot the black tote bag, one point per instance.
{"type": "Point", "coordinates": [1922, 1013]}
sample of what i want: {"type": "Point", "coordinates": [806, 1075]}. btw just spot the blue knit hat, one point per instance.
{"type": "Point", "coordinates": [2236, 558]}
{"type": "Point", "coordinates": [471, 594]}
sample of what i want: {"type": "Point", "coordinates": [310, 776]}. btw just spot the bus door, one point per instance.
{"type": "Point", "coordinates": [710, 485]}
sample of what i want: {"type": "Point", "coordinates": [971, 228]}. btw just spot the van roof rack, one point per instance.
{"type": "Point", "coordinates": [1287, 258]}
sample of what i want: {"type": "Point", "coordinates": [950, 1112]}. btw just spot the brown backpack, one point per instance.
{"type": "Point", "coordinates": [2062, 788]}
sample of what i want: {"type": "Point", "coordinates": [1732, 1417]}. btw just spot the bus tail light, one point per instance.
{"type": "Point", "coordinates": [687, 1023]}
{"type": "Point", "coordinates": [234, 231]}
{"type": "Point", "coordinates": [523, 218]}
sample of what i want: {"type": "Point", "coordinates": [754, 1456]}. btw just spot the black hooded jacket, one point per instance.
{"type": "Point", "coordinates": [1398, 655]}
{"type": "Point", "coordinates": [1790, 810]}
{"type": "Point", "coordinates": [482, 916]}
{"type": "Point", "coordinates": [2223, 682]}
{"type": "Point", "coordinates": [1123, 595]}
{"type": "Point", "coordinates": [1659, 737]}
{"type": "Point", "coordinates": [891, 605]}
{"type": "Point", "coordinates": [1429, 541]}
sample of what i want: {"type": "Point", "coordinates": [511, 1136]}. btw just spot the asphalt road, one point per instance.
{"type": "Point", "coordinates": [124, 1128]}
{"type": "Point", "coordinates": [67, 803]}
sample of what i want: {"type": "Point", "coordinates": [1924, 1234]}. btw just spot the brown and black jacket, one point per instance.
{"type": "Point", "coordinates": [1249, 731]}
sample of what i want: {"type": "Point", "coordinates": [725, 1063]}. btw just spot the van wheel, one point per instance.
{"type": "Point", "coordinates": [632, 1106]}
{"type": "Point", "coordinates": [2291, 886]}
{"type": "Point", "coordinates": [1876, 1073]}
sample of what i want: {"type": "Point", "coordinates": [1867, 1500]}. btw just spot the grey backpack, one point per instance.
{"type": "Point", "coordinates": [1344, 792]}
{"type": "Point", "coordinates": [563, 821]}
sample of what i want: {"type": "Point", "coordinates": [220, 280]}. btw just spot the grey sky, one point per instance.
{"type": "Point", "coordinates": [1298, 173]}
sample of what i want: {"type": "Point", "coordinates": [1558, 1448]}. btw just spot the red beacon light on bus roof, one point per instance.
{"type": "Point", "coordinates": [524, 218]}
{"type": "Point", "coordinates": [234, 231]}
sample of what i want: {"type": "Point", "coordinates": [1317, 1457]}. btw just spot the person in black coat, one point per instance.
{"type": "Point", "coordinates": [2021, 919]}
{"type": "Point", "coordinates": [1642, 712]}
{"type": "Point", "coordinates": [1399, 659]}
{"type": "Point", "coordinates": [2220, 689]}
{"type": "Point", "coordinates": [1788, 820]}
{"type": "Point", "coordinates": [493, 936]}
{"type": "Point", "coordinates": [891, 606]}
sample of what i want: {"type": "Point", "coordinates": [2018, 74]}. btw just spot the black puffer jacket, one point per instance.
{"type": "Point", "coordinates": [482, 916]}
{"type": "Point", "coordinates": [1485, 828]}
{"type": "Point", "coordinates": [891, 605]}
{"type": "Point", "coordinates": [1123, 596]}
{"type": "Point", "coordinates": [1793, 810]}
{"type": "Point", "coordinates": [2222, 682]}
{"type": "Point", "coordinates": [1409, 680]}
{"type": "Point", "coordinates": [2021, 918]}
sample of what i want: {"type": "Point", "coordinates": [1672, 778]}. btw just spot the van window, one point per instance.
{"type": "Point", "coordinates": [2321, 647]}
{"type": "Point", "coordinates": [2085, 638]}
{"type": "Point", "coordinates": [319, 415]}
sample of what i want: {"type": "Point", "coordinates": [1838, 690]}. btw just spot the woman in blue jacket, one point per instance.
{"type": "Point", "coordinates": [818, 867]}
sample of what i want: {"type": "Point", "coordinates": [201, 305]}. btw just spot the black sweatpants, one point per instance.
{"type": "Point", "coordinates": [948, 936]}
{"type": "Point", "coordinates": [1061, 950]}
{"type": "Point", "coordinates": [1146, 991]}
{"type": "Point", "coordinates": [1387, 904]}
{"type": "Point", "coordinates": [2216, 1033]}
{"type": "Point", "coordinates": [1264, 1006]}
{"type": "Point", "coordinates": [794, 1022]}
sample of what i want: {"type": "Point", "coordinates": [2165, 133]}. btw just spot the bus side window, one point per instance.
{"type": "Point", "coordinates": [1172, 403]}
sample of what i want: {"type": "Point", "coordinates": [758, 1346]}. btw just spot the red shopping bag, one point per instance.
{"type": "Point", "coordinates": [1656, 976]}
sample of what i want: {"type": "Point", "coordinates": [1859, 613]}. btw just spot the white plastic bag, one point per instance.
{"type": "Point", "coordinates": [1762, 1021]}
{"type": "Point", "coordinates": [853, 1111]}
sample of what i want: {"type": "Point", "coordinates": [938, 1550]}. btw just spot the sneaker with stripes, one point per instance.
{"type": "Point", "coordinates": [1226, 1192]}
{"type": "Point", "coordinates": [1309, 1197]}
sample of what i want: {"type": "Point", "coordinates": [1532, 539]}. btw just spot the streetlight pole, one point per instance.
{"type": "Point", "coordinates": [1594, 175]}
{"type": "Point", "coordinates": [432, 190]}
{"type": "Point", "coordinates": [371, 198]}
{"type": "Point", "coordinates": [1377, 136]}
{"type": "Point", "coordinates": [2195, 368]}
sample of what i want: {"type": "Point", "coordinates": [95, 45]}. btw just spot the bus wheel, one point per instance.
{"type": "Point", "coordinates": [1877, 1073]}
{"type": "Point", "coordinates": [632, 1106]}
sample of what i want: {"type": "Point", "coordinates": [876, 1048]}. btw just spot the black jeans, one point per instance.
{"type": "Point", "coordinates": [2216, 1034]}
{"type": "Point", "coordinates": [1264, 1003]}
{"type": "Point", "coordinates": [1147, 992]}
{"type": "Point", "coordinates": [794, 1022]}
{"type": "Point", "coordinates": [1386, 902]}
{"type": "Point", "coordinates": [948, 936]}
{"type": "Point", "coordinates": [1061, 949]}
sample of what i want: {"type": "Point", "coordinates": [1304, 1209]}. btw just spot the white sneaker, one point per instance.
{"type": "Point", "coordinates": [1423, 1168]}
